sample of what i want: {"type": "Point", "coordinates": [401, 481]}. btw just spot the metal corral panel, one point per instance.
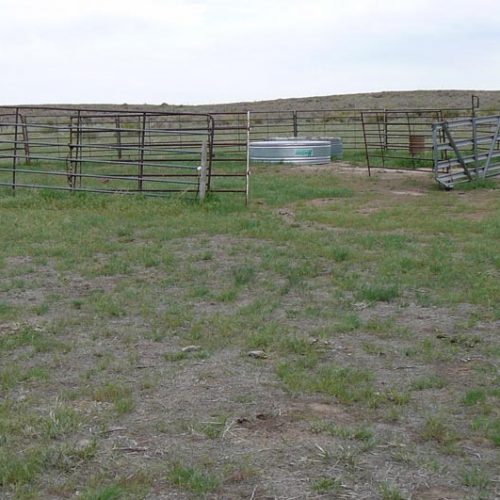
{"type": "Point", "coordinates": [291, 151]}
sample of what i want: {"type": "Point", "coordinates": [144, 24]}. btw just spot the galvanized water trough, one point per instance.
{"type": "Point", "coordinates": [336, 145]}
{"type": "Point", "coordinates": [291, 151]}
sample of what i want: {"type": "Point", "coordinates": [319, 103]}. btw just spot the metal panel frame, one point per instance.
{"type": "Point", "coordinates": [466, 149]}
{"type": "Point", "coordinates": [87, 146]}
{"type": "Point", "coordinates": [396, 138]}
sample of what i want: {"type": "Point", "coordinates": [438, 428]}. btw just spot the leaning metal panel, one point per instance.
{"type": "Point", "coordinates": [466, 149]}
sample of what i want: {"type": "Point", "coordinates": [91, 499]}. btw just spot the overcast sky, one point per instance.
{"type": "Point", "coordinates": [209, 51]}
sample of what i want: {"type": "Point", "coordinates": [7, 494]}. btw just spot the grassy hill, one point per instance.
{"type": "Point", "coordinates": [408, 99]}
{"type": "Point", "coordinates": [490, 100]}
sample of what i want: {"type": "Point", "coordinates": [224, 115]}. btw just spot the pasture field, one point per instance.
{"type": "Point", "coordinates": [337, 338]}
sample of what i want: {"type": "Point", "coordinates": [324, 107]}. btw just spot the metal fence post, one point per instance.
{"type": "Point", "coordinates": [202, 179]}
{"type": "Point", "coordinates": [435, 153]}
{"type": "Point", "coordinates": [295, 125]}
{"type": "Point", "coordinates": [14, 158]}
{"type": "Point", "coordinates": [365, 137]}
{"type": "Point", "coordinates": [210, 151]}
{"type": "Point", "coordinates": [386, 141]}
{"type": "Point", "coordinates": [70, 165]}
{"type": "Point", "coordinates": [474, 145]}
{"type": "Point", "coordinates": [475, 104]}
{"type": "Point", "coordinates": [79, 150]}
{"type": "Point", "coordinates": [75, 152]}
{"type": "Point", "coordinates": [492, 149]}
{"type": "Point", "coordinates": [24, 130]}
{"type": "Point", "coordinates": [118, 137]}
{"type": "Point", "coordinates": [142, 142]}
{"type": "Point", "coordinates": [247, 172]}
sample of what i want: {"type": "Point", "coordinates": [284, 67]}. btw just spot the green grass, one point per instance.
{"type": "Point", "coordinates": [278, 190]}
{"type": "Point", "coordinates": [347, 385]}
{"type": "Point", "coordinates": [7, 311]}
{"type": "Point", "coordinates": [192, 479]}
{"type": "Point", "coordinates": [358, 433]}
{"type": "Point", "coordinates": [346, 322]}
{"type": "Point", "coordinates": [488, 427]}
{"type": "Point", "coordinates": [379, 293]}
{"type": "Point", "coordinates": [212, 428]}
{"type": "Point", "coordinates": [376, 311]}
{"type": "Point", "coordinates": [118, 394]}
{"type": "Point", "coordinates": [243, 275]}
{"type": "Point", "coordinates": [61, 420]}
{"type": "Point", "coordinates": [389, 491]}
{"type": "Point", "coordinates": [476, 478]}
{"type": "Point", "coordinates": [112, 492]}
{"type": "Point", "coordinates": [437, 428]}
{"type": "Point", "coordinates": [428, 382]}
{"type": "Point", "coordinates": [16, 470]}
{"type": "Point", "coordinates": [12, 375]}
{"type": "Point", "coordinates": [182, 355]}
{"type": "Point", "coordinates": [326, 485]}
{"type": "Point", "coordinates": [474, 396]}
{"type": "Point", "coordinates": [39, 340]}
{"type": "Point", "coordinates": [479, 184]}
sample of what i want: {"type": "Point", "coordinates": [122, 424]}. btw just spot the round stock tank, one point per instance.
{"type": "Point", "coordinates": [291, 151]}
{"type": "Point", "coordinates": [337, 147]}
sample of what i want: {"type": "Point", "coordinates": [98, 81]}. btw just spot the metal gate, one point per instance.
{"type": "Point", "coordinates": [466, 149]}
{"type": "Point", "coordinates": [399, 138]}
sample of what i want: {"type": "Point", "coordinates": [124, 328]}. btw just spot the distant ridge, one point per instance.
{"type": "Point", "coordinates": [490, 102]}
{"type": "Point", "coordinates": [394, 99]}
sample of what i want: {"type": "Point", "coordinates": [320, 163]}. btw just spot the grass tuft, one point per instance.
{"type": "Point", "coordinates": [379, 293]}
{"type": "Point", "coordinates": [326, 485]}
{"type": "Point", "coordinates": [111, 492]}
{"type": "Point", "coordinates": [118, 394]}
{"type": "Point", "coordinates": [437, 428]}
{"type": "Point", "coordinates": [389, 491]}
{"type": "Point", "coordinates": [191, 479]}
{"type": "Point", "coordinates": [476, 478]}
{"type": "Point", "coordinates": [347, 385]}
{"type": "Point", "coordinates": [474, 397]}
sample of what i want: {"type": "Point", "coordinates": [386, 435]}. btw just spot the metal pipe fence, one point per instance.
{"type": "Point", "coordinates": [388, 138]}
{"type": "Point", "coordinates": [342, 123]}
{"type": "Point", "coordinates": [153, 152]}
{"type": "Point", "coordinates": [110, 151]}
{"type": "Point", "coordinates": [400, 139]}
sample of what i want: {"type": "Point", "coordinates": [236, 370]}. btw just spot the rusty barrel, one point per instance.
{"type": "Point", "coordinates": [416, 143]}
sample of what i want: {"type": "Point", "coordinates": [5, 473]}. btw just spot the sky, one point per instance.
{"type": "Point", "coordinates": [217, 51]}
